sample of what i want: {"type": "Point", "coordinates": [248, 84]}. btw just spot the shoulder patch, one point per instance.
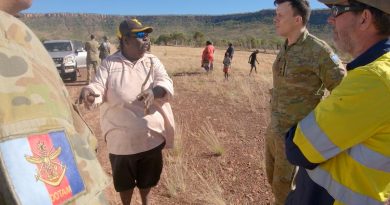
{"type": "Point", "coordinates": [335, 58]}
{"type": "Point", "coordinates": [42, 168]}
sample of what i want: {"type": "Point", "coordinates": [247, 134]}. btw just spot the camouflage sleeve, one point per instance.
{"type": "Point", "coordinates": [83, 129]}
{"type": "Point", "coordinates": [331, 69]}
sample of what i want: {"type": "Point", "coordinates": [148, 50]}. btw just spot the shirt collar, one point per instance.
{"type": "Point", "coordinates": [370, 55]}
{"type": "Point", "coordinates": [124, 59]}
{"type": "Point", "coordinates": [300, 40]}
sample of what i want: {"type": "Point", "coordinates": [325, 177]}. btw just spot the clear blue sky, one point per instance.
{"type": "Point", "coordinates": [154, 7]}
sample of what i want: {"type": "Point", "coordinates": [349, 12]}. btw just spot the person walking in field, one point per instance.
{"type": "Point", "coordinates": [304, 67]}
{"type": "Point", "coordinates": [92, 48]}
{"type": "Point", "coordinates": [208, 56]}
{"type": "Point", "coordinates": [252, 60]}
{"type": "Point", "coordinates": [227, 61]}
{"type": "Point", "coordinates": [133, 91]}
{"type": "Point", "coordinates": [342, 147]}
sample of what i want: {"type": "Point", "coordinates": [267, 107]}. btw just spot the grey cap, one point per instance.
{"type": "Point", "coordinates": [383, 5]}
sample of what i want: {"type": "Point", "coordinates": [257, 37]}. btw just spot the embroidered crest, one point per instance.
{"type": "Point", "coordinates": [41, 168]}
{"type": "Point", "coordinates": [50, 171]}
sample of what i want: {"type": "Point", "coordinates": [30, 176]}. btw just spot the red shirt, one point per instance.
{"type": "Point", "coordinates": [208, 53]}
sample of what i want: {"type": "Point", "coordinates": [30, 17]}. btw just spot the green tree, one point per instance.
{"type": "Point", "coordinates": [163, 39]}
{"type": "Point", "coordinates": [198, 38]}
{"type": "Point", "coordinates": [178, 38]}
{"type": "Point", "coordinates": [251, 42]}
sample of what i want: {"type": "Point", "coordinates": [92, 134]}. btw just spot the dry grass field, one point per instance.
{"type": "Point", "coordinates": [218, 156]}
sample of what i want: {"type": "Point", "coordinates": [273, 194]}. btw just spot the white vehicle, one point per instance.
{"type": "Point", "coordinates": [67, 56]}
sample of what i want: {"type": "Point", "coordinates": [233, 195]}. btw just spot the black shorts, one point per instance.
{"type": "Point", "coordinates": [142, 169]}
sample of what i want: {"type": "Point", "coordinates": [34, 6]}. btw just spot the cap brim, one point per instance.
{"type": "Point", "coordinates": [328, 3]}
{"type": "Point", "coordinates": [145, 29]}
{"type": "Point", "coordinates": [331, 1]}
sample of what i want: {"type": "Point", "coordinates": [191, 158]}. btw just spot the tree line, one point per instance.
{"type": "Point", "coordinates": [198, 39]}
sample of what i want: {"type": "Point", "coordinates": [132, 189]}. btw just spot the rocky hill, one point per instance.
{"type": "Point", "coordinates": [256, 26]}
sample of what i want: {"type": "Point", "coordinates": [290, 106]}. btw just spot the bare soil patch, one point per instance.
{"type": "Point", "coordinates": [236, 111]}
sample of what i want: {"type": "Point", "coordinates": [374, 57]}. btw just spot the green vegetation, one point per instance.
{"type": "Point", "coordinates": [246, 30]}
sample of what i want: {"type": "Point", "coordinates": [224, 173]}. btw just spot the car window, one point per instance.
{"type": "Point", "coordinates": [58, 46]}
{"type": "Point", "coordinates": [78, 45]}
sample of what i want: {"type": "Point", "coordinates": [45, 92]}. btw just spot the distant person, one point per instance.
{"type": "Point", "coordinates": [342, 147]}
{"type": "Point", "coordinates": [104, 49]}
{"type": "Point", "coordinates": [230, 51]}
{"type": "Point", "coordinates": [304, 67]}
{"type": "Point", "coordinates": [133, 90]}
{"type": "Point", "coordinates": [208, 56]}
{"type": "Point", "coordinates": [149, 49]}
{"type": "Point", "coordinates": [92, 48]}
{"type": "Point", "coordinates": [252, 60]}
{"type": "Point", "coordinates": [47, 150]}
{"type": "Point", "coordinates": [227, 61]}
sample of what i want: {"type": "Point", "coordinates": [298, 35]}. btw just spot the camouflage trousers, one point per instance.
{"type": "Point", "coordinates": [91, 65]}
{"type": "Point", "coordinates": [279, 171]}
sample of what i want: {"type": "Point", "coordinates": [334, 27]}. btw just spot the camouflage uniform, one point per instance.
{"type": "Point", "coordinates": [301, 72]}
{"type": "Point", "coordinates": [92, 48]}
{"type": "Point", "coordinates": [35, 106]}
{"type": "Point", "coordinates": [104, 50]}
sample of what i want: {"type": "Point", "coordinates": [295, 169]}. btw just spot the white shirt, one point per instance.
{"type": "Point", "coordinates": [124, 124]}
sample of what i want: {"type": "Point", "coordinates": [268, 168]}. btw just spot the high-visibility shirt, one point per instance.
{"type": "Point", "coordinates": [346, 139]}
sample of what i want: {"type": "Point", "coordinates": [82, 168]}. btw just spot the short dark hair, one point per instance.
{"type": "Point", "coordinates": [300, 7]}
{"type": "Point", "coordinates": [381, 19]}
{"type": "Point", "coordinates": [92, 36]}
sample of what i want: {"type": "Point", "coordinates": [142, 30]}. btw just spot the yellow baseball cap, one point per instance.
{"type": "Point", "coordinates": [132, 26]}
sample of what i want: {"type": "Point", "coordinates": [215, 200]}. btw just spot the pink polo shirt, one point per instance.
{"type": "Point", "coordinates": [124, 124]}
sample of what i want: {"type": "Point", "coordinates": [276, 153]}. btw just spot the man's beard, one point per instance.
{"type": "Point", "coordinates": [342, 42]}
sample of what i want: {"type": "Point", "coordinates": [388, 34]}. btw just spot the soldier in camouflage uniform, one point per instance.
{"type": "Point", "coordinates": [104, 49]}
{"type": "Point", "coordinates": [46, 149]}
{"type": "Point", "coordinates": [92, 48]}
{"type": "Point", "coordinates": [303, 69]}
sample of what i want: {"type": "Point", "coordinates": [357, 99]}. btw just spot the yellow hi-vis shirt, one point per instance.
{"type": "Point", "coordinates": [348, 134]}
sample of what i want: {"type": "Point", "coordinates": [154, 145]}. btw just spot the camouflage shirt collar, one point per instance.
{"type": "Point", "coordinates": [300, 40]}
{"type": "Point", "coordinates": [371, 54]}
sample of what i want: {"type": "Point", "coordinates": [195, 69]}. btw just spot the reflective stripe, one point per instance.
{"type": "Point", "coordinates": [318, 138]}
{"type": "Point", "coordinates": [338, 191]}
{"type": "Point", "coordinates": [370, 158]}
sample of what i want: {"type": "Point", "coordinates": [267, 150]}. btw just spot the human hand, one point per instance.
{"type": "Point", "coordinates": [147, 96]}
{"type": "Point", "coordinates": [87, 96]}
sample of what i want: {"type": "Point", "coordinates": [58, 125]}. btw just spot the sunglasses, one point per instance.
{"type": "Point", "coordinates": [337, 10]}
{"type": "Point", "coordinates": [140, 35]}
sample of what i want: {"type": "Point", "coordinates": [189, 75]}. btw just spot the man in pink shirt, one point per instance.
{"type": "Point", "coordinates": [133, 91]}
{"type": "Point", "coordinates": [208, 56]}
